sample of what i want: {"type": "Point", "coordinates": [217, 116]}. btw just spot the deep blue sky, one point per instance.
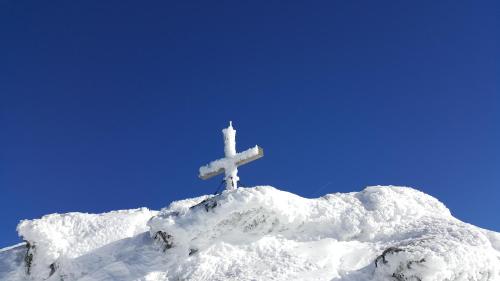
{"type": "Point", "coordinates": [115, 104]}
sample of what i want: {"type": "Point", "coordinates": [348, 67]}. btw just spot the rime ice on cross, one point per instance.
{"type": "Point", "coordinates": [229, 164]}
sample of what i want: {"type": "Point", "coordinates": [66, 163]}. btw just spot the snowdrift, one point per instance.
{"type": "Point", "coordinates": [55, 239]}
{"type": "Point", "coordinates": [261, 233]}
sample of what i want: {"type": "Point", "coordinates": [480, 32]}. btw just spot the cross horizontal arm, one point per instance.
{"type": "Point", "coordinates": [249, 155]}
{"type": "Point", "coordinates": [214, 168]}
{"type": "Point", "coordinates": [218, 166]}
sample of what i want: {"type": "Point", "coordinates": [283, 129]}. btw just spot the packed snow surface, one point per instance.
{"type": "Point", "coordinates": [260, 233]}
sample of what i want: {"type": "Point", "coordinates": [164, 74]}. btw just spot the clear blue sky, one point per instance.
{"type": "Point", "coordinates": [115, 104]}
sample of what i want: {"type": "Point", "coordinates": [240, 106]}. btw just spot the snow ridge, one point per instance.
{"type": "Point", "coordinates": [261, 233]}
{"type": "Point", "coordinates": [56, 238]}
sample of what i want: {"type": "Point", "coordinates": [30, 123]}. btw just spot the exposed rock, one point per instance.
{"type": "Point", "coordinates": [208, 204]}
{"type": "Point", "coordinates": [165, 239]}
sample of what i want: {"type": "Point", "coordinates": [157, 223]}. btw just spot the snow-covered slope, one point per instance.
{"type": "Point", "coordinates": [261, 233]}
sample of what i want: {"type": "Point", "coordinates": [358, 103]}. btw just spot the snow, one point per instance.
{"type": "Point", "coordinates": [262, 233]}
{"type": "Point", "coordinates": [12, 247]}
{"type": "Point", "coordinates": [62, 237]}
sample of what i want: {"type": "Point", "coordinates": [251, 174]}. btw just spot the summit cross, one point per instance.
{"type": "Point", "coordinates": [232, 160]}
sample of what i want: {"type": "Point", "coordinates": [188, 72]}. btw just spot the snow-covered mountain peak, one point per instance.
{"type": "Point", "coordinates": [265, 210]}
{"type": "Point", "coordinates": [261, 233]}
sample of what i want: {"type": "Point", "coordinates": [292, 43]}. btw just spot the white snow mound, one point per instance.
{"type": "Point", "coordinates": [261, 233]}
{"type": "Point", "coordinates": [59, 237]}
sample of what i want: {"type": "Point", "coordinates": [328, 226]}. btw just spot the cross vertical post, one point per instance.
{"type": "Point", "coordinates": [231, 171]}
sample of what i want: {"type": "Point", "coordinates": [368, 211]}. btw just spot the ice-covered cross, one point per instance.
{"type": "Point", "coordinates": [229, 164]}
